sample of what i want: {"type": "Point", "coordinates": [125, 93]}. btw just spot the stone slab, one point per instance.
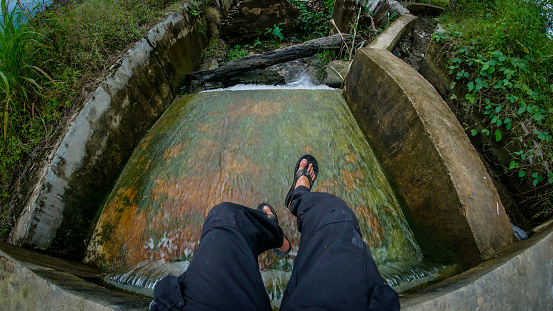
{"type": "Point", "coordinates": [429, 159]}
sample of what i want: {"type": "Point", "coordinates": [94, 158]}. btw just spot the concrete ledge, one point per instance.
{"type": "Point", "coordinates": [430, 161]}
{"type": "Point", "coordinates": [391, 36]}
{"type": "Point", "coordinates": [520, 279]}
{"type": "Point", "coordinates": [84, 167]}
{"type": "Point", "coordinates": [31, 281]}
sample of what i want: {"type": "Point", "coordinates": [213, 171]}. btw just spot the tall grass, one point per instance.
{"type": "Point", "coordinates": [20, 82]}
{"type": "Point", "coordinates": [16, 68]}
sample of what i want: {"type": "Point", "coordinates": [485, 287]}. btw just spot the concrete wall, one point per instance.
{"type": "Point", "coordinates": [83, 168]}
{"type": "Point", "coordinates": [426, 154]}
{"type": "Point", "coordinates": [520, 279]}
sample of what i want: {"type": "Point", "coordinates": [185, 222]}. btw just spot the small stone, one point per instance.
{"type": "Point", "coordinates": [336, 72]}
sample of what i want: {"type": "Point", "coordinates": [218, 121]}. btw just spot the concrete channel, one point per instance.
{"type": "Point", "coordinates": [505, 275]}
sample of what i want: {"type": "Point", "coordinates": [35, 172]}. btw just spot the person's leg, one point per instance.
{"type": "Point", "coordinates": [224, 272]}
{"type": "Point", "coordinates": [334, 269]}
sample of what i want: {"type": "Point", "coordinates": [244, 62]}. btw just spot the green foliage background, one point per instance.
{"type": "Point", "coordinates": [500, 57]}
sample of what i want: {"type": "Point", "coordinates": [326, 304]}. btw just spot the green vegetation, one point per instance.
{"type": "Point", "coordinates": [237, 51]}
{"type": "Point", "coordinates": [442, 3]}
{"type": "Point", "coordinates": [314, 22]}
{"type": "Point", "coordinates": [50, 64]}
{"type": "Point", "coordinates": [501, 58]}
{"type": "Point", "coordinates": [276, 34]}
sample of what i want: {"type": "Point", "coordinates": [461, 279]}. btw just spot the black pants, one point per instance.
{"type": "Point", "coordinates": [333, 269]}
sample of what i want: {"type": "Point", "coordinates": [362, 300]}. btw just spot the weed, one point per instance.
{"type": "Point", "coordinates": [276, 34]}
{"type": "Point", "coordinates": [237, 52]}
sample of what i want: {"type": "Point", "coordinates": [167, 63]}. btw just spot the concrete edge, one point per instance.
{"type": "Point", "coordinates": [391, 36]}
{"type": "Point", "coordinates": [520, 278]}
{"type": "Point", "coordinates": [33, 282]}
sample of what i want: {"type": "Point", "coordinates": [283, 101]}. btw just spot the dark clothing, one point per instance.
{"type": "Point", "coordinates": [333, 269]}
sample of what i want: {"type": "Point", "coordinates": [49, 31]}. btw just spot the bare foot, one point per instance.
{"type": "Point", "coordinates": [303, 181]}
{"type": "Point", "coordinates": [285, 244]}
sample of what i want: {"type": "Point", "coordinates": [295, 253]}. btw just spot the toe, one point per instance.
{"type": "Point", "coordinates": [303, 164]}
{"type": "Point", "coordinates": [311, 171]}
{"type": "Point", "coordinates": [267, 210]}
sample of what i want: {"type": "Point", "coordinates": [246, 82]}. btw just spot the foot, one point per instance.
{"type": "Point", "coordinates": [285, 243]}
{"type": "Point", "coordinates": [303, 180]}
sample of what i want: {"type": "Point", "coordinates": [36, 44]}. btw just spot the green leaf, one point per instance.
{"type": "Point", "coordinates": [513, 164]}
{"type": "Point", "coordinates": [509, 124]}
{"type": "Point", "coordinates": [521, 174]}
{"type": "Point", "coordinates": [470, 86]}
{"type": "Point", "coordinates": [471, 98]}
{"type": "Point", "coordinates": [498, 122]}
{"type": "Point", "coordinates": [498, 135]}
{"type": "Point", "coordinates": [535, 182]}
{"type": "Point", "coordinates": [473, 132]}
{"type": "Point", "coordinates": [522, 108]}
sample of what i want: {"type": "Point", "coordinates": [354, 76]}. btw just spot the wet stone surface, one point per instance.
{"type": "Point", "coordinates": [240, 146]}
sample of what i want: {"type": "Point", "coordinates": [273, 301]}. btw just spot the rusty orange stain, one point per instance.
{"type": "Point", "coordinates": [122, 242]}
{"type": "Point", "coordinates": [352, 158]}
{"type": "Point", "coordinates": [376, 230]}
{"type": "Point", "coordinates": [175, 150]}
{"type": "Point", "coordinates": [350, 180]}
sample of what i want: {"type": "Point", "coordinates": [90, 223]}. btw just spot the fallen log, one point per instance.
{"type": "Point", "coordinates": [306, 49]}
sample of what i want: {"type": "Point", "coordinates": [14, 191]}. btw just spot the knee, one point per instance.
{"type": "Point", "coordinates": [225, 210]}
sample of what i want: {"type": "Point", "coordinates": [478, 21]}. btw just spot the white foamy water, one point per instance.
{"type": "Point", "coordinates": [303, 83]}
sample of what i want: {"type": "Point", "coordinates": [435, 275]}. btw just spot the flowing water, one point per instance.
{"type": "Point", "coordinates": [240, 146]}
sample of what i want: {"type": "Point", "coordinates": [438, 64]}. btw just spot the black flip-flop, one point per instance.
{"type": "Point", "coordinates": [297, 174]}
{"type": "Point", "coordinates": [274, 216]}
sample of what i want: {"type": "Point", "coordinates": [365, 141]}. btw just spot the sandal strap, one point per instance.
{"type": "Point", "coordinates": [303, 172]}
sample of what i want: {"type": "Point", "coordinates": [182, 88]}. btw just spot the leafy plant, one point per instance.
{"type": "Point", "coordinates": [276, 33]}
{"type": "Point", "coordinates": [500, 59]}
{"type": "Point", "coordinates": [236, 52]}
{"type": "Point", "coordinates": [313, 22]}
